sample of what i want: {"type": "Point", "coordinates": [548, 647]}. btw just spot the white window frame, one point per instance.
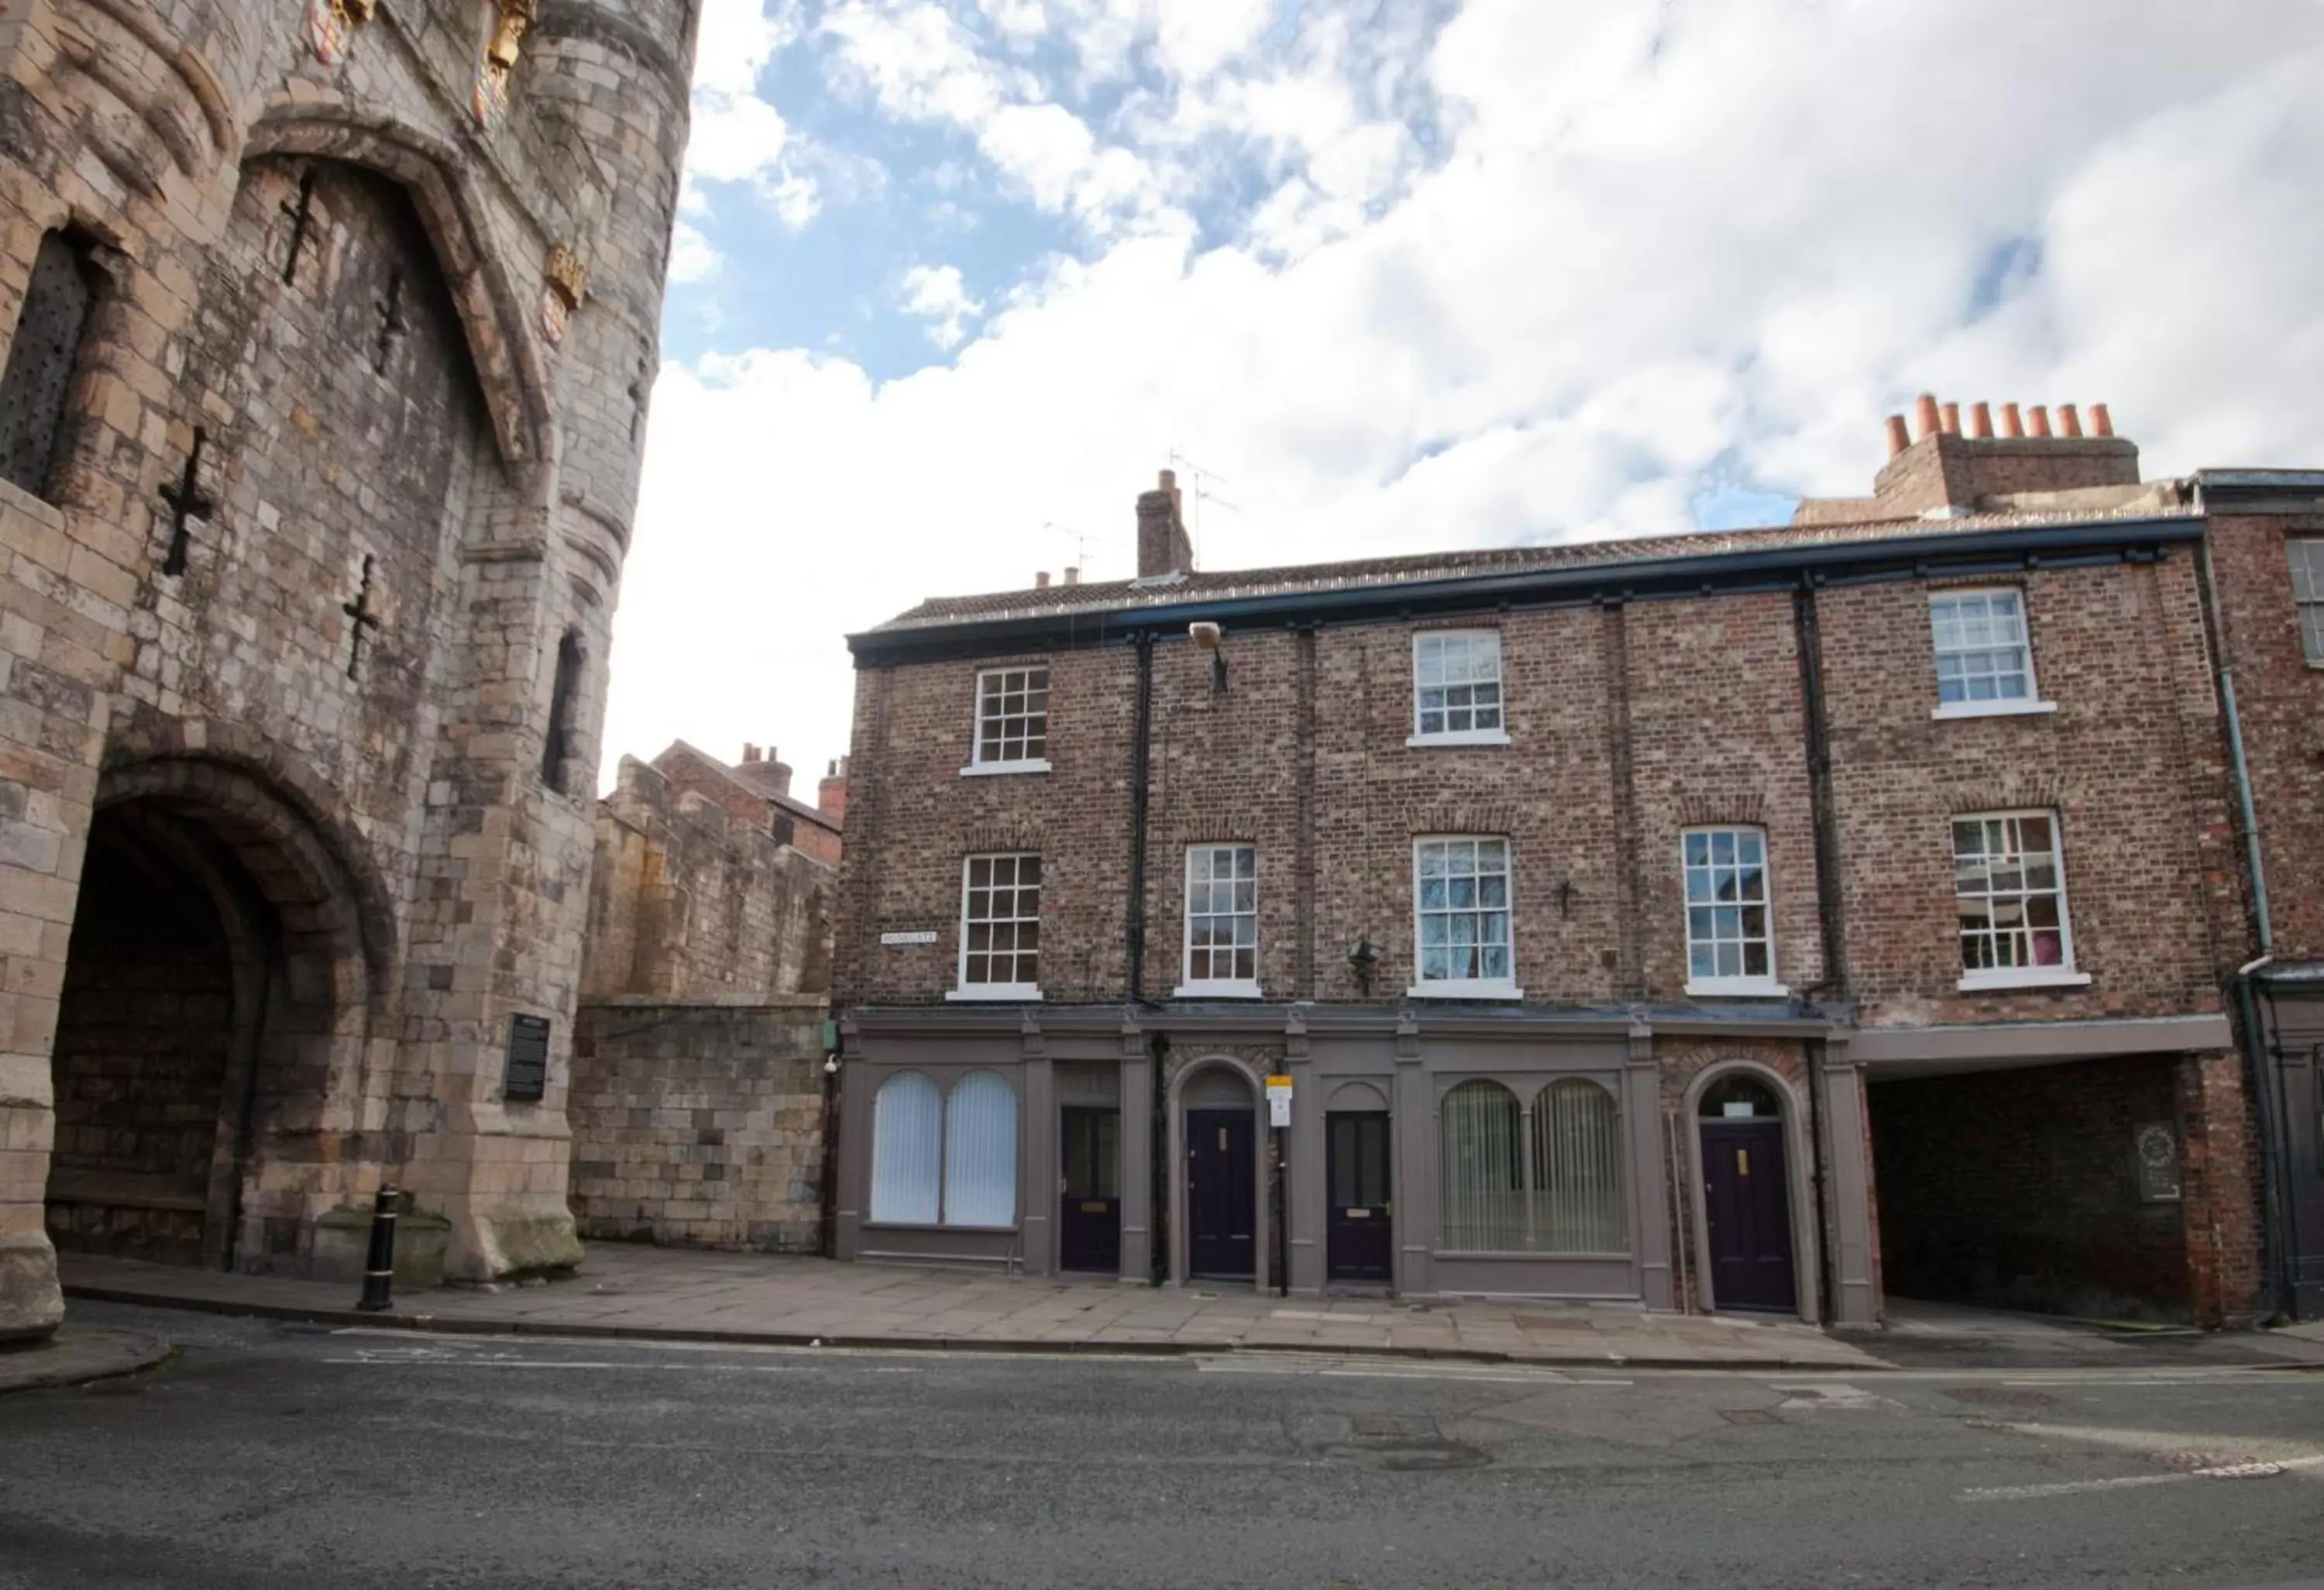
{"type": "Point", "coordinates": [1464, 987]}
{"type": "Point", "coordinates": [2305, 554]}
{"type": "Point", "coordinates": [980, 764]}
{"type": "Point", "coordinates": [1191, 986]}
{"type": "Point", "coordinates": [1764, 987]}
{"type": "Point", "coordinates": [962, 988]}
{"type": "Point", "coordinates": [2015, 706]}
{"type": "Point", "coordinates": [1984, 979]}
{"type": "Point", "coordinates": [1492, 736]}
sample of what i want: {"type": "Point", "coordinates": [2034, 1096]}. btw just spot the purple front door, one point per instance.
{"type": "Point", "coordinates": [1748, 1198]}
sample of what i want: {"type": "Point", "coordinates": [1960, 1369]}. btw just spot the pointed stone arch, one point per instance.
{"type": "Point", "coordinates": [511, 365]}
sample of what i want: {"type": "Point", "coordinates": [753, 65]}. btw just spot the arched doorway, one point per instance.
{"type": "Point", "coordinates": [1746, 1195]}
{"type": "Point", "coordinates": [1220, 1113]}
{"type": "Point", "coordinates": [209, 1057]}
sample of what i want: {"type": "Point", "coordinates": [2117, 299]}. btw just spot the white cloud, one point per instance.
{"type": "Point", "coordinates": [736, 136]}
{"type": "Point", "coordinates": [692, 256]}
{"type": "Point", "coordinates": [936, 294]}
{"type": "Point", "coordinates": [1651, 244]}
{"type": "Point", "coordinates": [738, 39]}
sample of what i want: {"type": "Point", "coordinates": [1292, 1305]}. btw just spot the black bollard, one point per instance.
{"type": "Point", "coordinates": [379, 1263]}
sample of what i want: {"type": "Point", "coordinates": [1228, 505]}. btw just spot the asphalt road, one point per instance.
{"type": "Point", "coordinates": [269, 1455]}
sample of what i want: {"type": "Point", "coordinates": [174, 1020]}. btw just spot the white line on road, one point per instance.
{"type": "Point", "coordinates": [2233, 1471]}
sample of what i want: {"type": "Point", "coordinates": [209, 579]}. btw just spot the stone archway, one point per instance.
{"type": "Point", "coordinates": [212, 1065]}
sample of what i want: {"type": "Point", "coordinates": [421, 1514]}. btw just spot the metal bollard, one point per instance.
{"type": "Point", "coordinates": [379, 1262]}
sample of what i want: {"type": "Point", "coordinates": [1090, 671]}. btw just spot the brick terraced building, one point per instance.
{"type": "Point", "coordinates": [1777, 920]}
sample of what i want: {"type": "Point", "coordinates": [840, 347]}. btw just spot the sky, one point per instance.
{"type": "Point", "coordinates": [953, 279]}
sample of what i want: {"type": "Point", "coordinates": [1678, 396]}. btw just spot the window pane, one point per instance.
{"type": "Point", "coordinates": [979, 1185]}
{"type": "Point", "coordinates": [904, 1135]}
{"type": "Point", "coordinates": [1578, 1171]}
{"type": "Point", "coordinates": [1479, 1130]}
{"type": "Point", "coordinates": [2009, 897]}
{"type": "Point", "coordinates": [1012, 713]}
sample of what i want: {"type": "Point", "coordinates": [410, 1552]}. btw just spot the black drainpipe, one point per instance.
{"type": "Point", "coordinates": [1809, 635]}
{"type": "Point", "coordinates": [1158, 1214]}
{"type": "Point", "coordinates": [1141, 758]}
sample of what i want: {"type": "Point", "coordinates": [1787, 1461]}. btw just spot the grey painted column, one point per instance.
{"type": "Point", "coordinates": [854, 1148]}
{"type": "Point", "coordinates": [1416, 1161]}
{"type": "Point", "coordinates": [1642, 1113]}
{"type": "Point", "coordinates": [1137, 1151]}
{"type": "Point", "coordinates": [1304, 1169]}
{"type": "Point", "coordinates": [1037, 1154]}
{"type": "Point", "coordinates": [1855, 1299]}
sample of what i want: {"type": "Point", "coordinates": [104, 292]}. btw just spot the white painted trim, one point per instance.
{"type": "Point", "coordinates": [1222, 989]}
{"type": "Point", "coordinates": [976, 770]}
{"type": "Point", "coordinates": [1471, 988]}
{"type": "Point", "coordinates": [995, 991]}
{"type": "Point", "coordinates": [1735, 988]}
{"type": "Point", "coordinates": [1458, 738]}
{"type": "Point", "coordinates": [2027, 708]}
{"type": "Point", "coordinates": [1992, 978]}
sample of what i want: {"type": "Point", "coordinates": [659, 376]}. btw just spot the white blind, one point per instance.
{"type": "Point", "coordinates": [1480, 1133]}
{"type": "Point", "coordinates": [1577, 1171]}
{"type": "Point", "coordinates": [907, 1122]}
{"type": "Point", "coordinates": [981, 1152]}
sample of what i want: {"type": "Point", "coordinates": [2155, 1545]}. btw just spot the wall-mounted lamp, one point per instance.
{"type": "Point", "coordinates": [831, 1064]}
{"type": "Point", "coordinates": [1206, 637]}
{"type": "Point", "coordinates": [1362, 959]}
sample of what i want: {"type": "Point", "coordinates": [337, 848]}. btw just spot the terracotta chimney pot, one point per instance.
{"type": "Point", "coordinates": [2101, 423]}
{"type": "Point", "coordinates": [1899, 439]}
{"type": "Point", "coordinates": [2069, 422]}
{"type": "Point", "coordinates": [1980, 422]}
{"type": "Point", "coordinates": [1951, 418]}
{"type": "Point", "coordinates": [2012, 426]}
{"type": "Point", "coordinates": [1924, 415]}
{"type": "Point", "coordinates": [2039, 419]}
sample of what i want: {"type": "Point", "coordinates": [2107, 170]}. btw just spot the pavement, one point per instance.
{"type": "Point", "coordinates": [283, 1455]}
{"type": "Point", "coordinates": [77, 1354]}
{"type": "Point", "coordinates": [636, 1292]}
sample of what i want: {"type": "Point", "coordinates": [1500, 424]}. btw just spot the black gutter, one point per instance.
{"type": "Point", "coordinates": [1808, 637]}
{"type": "Point", "coordinates": [1774, 568]}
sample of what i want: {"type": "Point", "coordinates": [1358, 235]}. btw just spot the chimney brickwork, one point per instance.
{"type": "Point", "coordinates": [1943, 469]}
{"type": "Point", "coordinates": [1162, 544]}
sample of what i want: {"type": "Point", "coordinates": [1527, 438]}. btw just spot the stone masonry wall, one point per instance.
{"type": "Point", "coordinates": [699, 1124]}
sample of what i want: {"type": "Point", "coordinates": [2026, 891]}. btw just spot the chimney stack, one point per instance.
{"type": "Point", "coordinates": [830, 794]}
{"type": "Point", "coordinates": [1041, 580]}
{"type": "Point", "coordinates": [749, 753]}
{"type": "Point", "coordinates": [1899, 439]}
{"type": "Point", "coordinates": [1924, 415]}
{"type": "Point", "coordinates": [1980, 422]}
{"type": "Point", "coordinates": [1073, 576]}
{"type": "Point", "coordinates": [1162, 544]}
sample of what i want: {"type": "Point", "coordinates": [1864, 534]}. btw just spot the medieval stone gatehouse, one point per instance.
{"type": "Point", "coordinates": [330, 324]}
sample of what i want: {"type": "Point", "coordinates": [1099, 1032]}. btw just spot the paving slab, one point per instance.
{"type": "Point", "coordinates": [74, 1355]}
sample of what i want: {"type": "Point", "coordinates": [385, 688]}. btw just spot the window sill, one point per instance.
{"type": "Point", "coordinates": [931, 1227]}
{"type": "Point", "coordinates": [2023, 978]}
{"type": "Point", "coordinates": [997, 992]}
{"type": "Point", "coordinates": [1735, 988]}
{"type": "Point", "coordinates": [1952, 709]}
{"type": "Point", "coordinates": [1217, 991]}
{"type": "Point", "coordinates": [978, 770]}
{"type": "Point", "coordinates": [1464, 990]}
{"type": "Point", "coordinates": [1463, 737]}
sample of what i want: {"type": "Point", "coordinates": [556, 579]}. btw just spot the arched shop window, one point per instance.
{"type": "Point", "coordinates": [1547, 1180]}
{"type": "Point", "coordinates": [939, 1160]}
{"type": "Point", "coordinates": [1577, 1170]}
{"type": "Point", "coordinates": [981, 1152]}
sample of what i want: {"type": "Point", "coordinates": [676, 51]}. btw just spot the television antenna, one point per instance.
{"type": "Point", "coordinates": [1204, 480]}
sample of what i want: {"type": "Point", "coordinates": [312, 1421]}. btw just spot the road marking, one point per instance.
{"type": "Point", "coordinates": [437, 1361]}
{"type": "Point", "coordinates": [2233, 1471]}
{"type": "Point", "coordinates": [1808, 1395]}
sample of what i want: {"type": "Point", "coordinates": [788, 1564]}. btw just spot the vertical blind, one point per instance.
{"type": "Point", "coordinates": [981, 1152]}
{"type": "Point", "coordinates": [939, 1160]}
{"type": "Point", "coordinates": [1564, 1195]}
{"type": "Point", "coordinates": [906, 1124]}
